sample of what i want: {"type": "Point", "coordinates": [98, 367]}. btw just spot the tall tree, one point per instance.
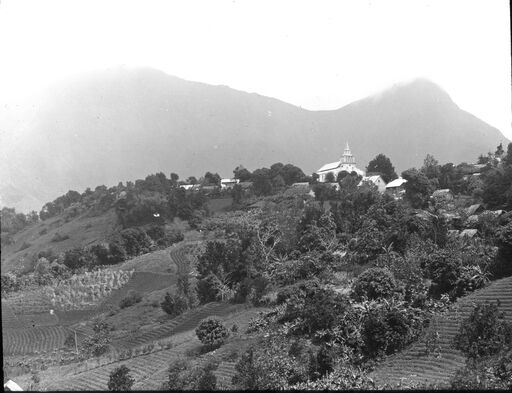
{"type": "Point", "coordinates": [383, 166]}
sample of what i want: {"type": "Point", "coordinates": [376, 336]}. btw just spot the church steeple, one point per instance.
{"type": "Point", "coordinates": [347, 157]}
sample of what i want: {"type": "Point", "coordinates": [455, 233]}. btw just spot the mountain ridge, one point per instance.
{"type": "Point", "coordinates": [103, 127]}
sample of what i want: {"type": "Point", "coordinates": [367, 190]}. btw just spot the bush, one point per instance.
{"type": "Point", "coordinates": [208, 289]}
{"type": "Point", "coordinates": [443, 266]}
{"type": "Point", "coordinates": [174, 304]}
{"type": "Point", "coordinates": [493, 372]}
{"type": "Point", "coordinates": [130, 299]}
{"type": "Point", "coordinates": [57, 237]}
{"type": "Point", "coordinates": [374, 283]}
{"type": "Point", "coordinates": [120, 380]}
{"type": "Point", "coordinates": [484, 333]}
{"type": "Point", "coordinates": [117, 252]}
{"type": "Point", "coordinates": [389, 328]}
{"type": "Point", "coordinates": [182, 377]}
{"type": "Point", "coordinates": [98, 343]}
{"type": "Point", "coordinates": [212, 332]}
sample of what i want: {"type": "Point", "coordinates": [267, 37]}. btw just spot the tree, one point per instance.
{"type": "Point", "coordinates": [120, 380]}
{"type": "Point", "coordinates": [382, 165]}
{"type": "Point", "coordinates": [484, 333]}
{"type": "Point", "coordinates": [262, 184]}
{"type": "Point", "coordinates": [212, 332]}
{"type": "Point", "coordinates": [329, 178]}
{"type": "Point", "coordinates": [242, 174]}
{"type": "Point", "coordinates": [431, 167]}
{"type": "Point", "coordinates": [211, 179]}
{"type": "Point", "coordinates": [174, 304]}
{"type": "Point", "coordinates": [418, 188]}
{"type": "Point", "coordinates": [374, 283]}
{"type": "Point", "coordinates": [191, 180]}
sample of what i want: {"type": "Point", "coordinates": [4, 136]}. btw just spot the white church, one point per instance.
{"type": "Point", "coordinates": [346, 163]}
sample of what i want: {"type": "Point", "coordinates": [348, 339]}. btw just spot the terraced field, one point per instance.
{"type": "Point", "coordinates": [9, 319]}
{"type": "Point", "coordinates": [140, 282]}
{"type": "Point", "coordinates": [225, 373]}
{"type": "Point", "coordinates": [157, 261]}
{"type": "Point", "coordinates": [418, 365]}
{"type": "Point", "coordinates": [33, 339]}
{"type": "Point", "coordinates": [29, 302]}
{"type": "Point", "coordinates": [184, 322]}
{"type": "Point", "coordinates": [142, 369]}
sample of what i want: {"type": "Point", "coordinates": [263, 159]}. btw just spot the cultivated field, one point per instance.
{"type": "Point", "coordinates": [438, 363]}
{"type": "Point", "coordinates": [33, 339]}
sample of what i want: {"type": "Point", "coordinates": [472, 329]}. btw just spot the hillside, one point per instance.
{"type": "Point", "coordinates": [121, 124]}
{"type": "Point", "coordinates": [416, 365]}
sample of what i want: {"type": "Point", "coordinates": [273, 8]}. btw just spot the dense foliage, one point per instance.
{"type": "Point", "coordinates": [212, 332]}
{"type": "Point", "coordinates": [120, 380]}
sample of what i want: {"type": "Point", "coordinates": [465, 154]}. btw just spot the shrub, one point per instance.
{"type": "Point", "coordinates": [484, 333]}
{"type": "Point", "coordinates": [98, 343]}
{"type": "Point", "coordinates": [374, 283]}
{"type": "Point", "coordinates": [494, 372]}
{"type": "Point", "coordinates": [117, 252]}
{"type": "Point", "coordinates": [101, 254]}
{"type": "Point", "coordinates": [182, 377]}
{"type": "Point", "coordinates": [208, 288]}
{"type": "Point", "coordinates": [174, 304]}
{"type": "Point", "coordinates": [443, 266]}
{"type": "Point", "coordinates": [43, 231]}
{"type": "Point", "coordinates": [130, 299]}
{"type": "Point", "coordinates": [120, 380]}
{"type": "Point", "coordinates": [135, 241]}
{"type": "Point", "coordinates": [77, 258]}
{"type": "Point", "coordinates": [57, 237]}
{"type": "Point", "coordinates": [471, 278]}
{"type": "Point", "coordinates": [212, 332]}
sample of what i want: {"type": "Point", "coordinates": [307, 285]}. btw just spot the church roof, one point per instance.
{"type": "Point", "coordinates": [328, 167]}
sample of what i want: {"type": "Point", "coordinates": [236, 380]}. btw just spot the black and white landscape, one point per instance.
{"type": "Point", "coordinates": [219, 195]}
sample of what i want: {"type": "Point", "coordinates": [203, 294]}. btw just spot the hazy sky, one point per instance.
{"type": "Point", "coordinates": [315, 54]}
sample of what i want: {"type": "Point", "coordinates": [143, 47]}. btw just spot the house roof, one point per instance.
{"type": "Point", "coordinates": [228, 180]}
{"type": "Point", "coordinates": [329, 167]}
{"type": "Point", "coordinates": [374, 179]}
{"type": "Point", "coordinates": [473, 209]}
{"type": "Point", "coordinates": [443, 192]}
{"type": "Point", "coordinates": [396, 183]}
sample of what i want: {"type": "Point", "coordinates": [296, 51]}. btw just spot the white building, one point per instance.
{"type": "Point", "coordinates": [396, 187]}
{"type": "Point", "coordinates": [377, 180]}
{"type": "Point", "coordinates": [346, 163]}
{"type": "Point", "coordinates": [228, 183]}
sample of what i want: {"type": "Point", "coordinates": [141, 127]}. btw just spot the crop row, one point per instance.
{"type": "Point", "coordinates": [438, 362]}
{"type": "Point", "coordinates": [184, 322]}
{"type": "Point", "coordinates": [33, 339]}
{"type": "Point", "coordinates": [142, 369]}
{"type": "Point", "coordinates": [9, 319]}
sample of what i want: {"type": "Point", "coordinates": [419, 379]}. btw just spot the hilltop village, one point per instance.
{"type": "Point", "coordinates": [271, 279]}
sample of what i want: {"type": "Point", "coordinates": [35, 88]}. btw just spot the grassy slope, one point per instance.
{"type": "Point", "coordinates": [81, 230]}
{"type": "Point", "coordinates": [415, 365]}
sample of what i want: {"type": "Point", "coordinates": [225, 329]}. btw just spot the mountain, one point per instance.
{"type": "Point", "coordinates": [122, 124]}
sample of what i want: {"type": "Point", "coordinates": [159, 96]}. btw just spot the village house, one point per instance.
{"type": "Point", "coordinates": [396, 187]}
{"type": "Point", "coordinates": [346, 163]}
{"type": "Point", "coordinates": [228, 183]}
{"type": "Point", "coordinates": [375, 179]}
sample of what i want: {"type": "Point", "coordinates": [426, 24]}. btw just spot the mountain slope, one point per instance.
{"type": "Point", "coordinates": [122, 124]}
